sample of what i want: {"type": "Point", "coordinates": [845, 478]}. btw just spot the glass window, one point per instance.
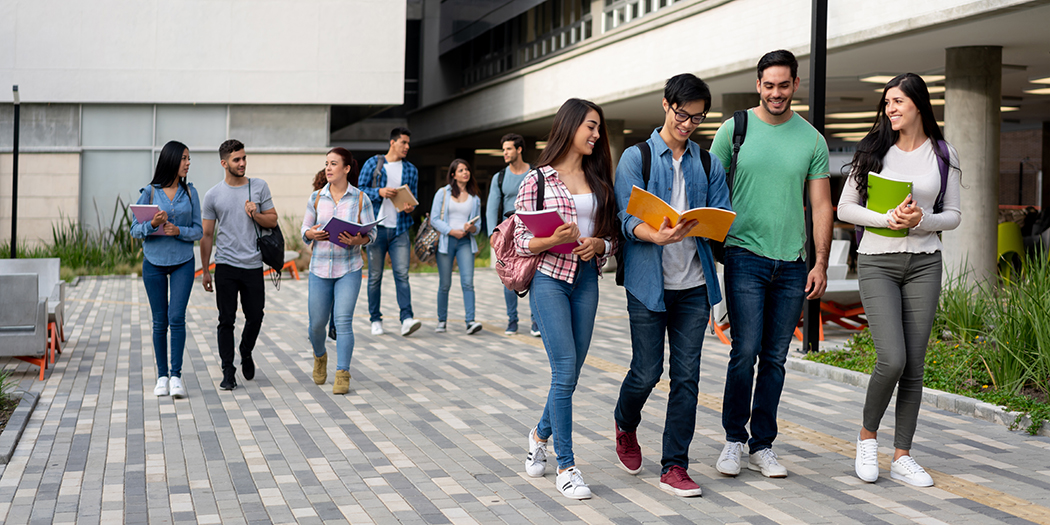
{"type": "Point", "coordinates": [195, 126]}
{"type": "Point", "coordinates": [114, 125]}
{"type": "Point", "coordinates": [107, 175]}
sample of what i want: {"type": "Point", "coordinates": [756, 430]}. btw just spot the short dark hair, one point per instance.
{"type": "Point", "coordinates": [780, 57]}
{"type": "Point", "coordinates": [398, 131]}
{"type": "Point", "coordinates": [685, 88]}
{"type": "Point", "coordinates": [518, 140]}
{"type": "Point", "coordinates": [228, 147]}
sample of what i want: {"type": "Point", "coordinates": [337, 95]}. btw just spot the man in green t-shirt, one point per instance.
{"type": "Point", "coordinates": [765, 273]}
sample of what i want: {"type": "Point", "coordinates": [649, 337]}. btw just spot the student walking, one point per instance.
{"type": "Point", "coordinates": [380, 178]}
{"type": "Point", "coordinates": [765, 274]}
{"type": "Point", "coordinates": [237, 205]}
{"type": "Point", "coordinates": [320, 180]}
{"type": "Point", "coordinates": [676, 298]}
{"type": "Point", "coordinates": [900, 277]}
{"type": "Point", "coordinates": [335, 271]}
{"type": "Point", "coordinates": [503, 191]}
{"type": "Point", "coordinates": [167, 263]}
{"type": "Point", "coordinates": [577, 177]}
{"type": "Point", "coordinates": [455, 214]}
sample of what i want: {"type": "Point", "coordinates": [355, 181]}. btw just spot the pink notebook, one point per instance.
{"type": "Point", "coordinates": [543, 223]}
{"type": "Point", "coordinates": [144, 213]}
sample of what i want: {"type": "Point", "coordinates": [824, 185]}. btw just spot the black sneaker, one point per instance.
{"type": "Point", "coordinates": [331, 332]}
{"type": "Point", "coordinates": [248, 366]}
{"type": "Point", "coordinates": [228, 384]}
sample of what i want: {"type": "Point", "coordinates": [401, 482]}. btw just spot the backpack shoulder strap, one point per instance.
{"type": "Point", "coordinates": [739, 134]}
{"type": "Point", "coordinates": [647, 160]}
{"type": "Point", "coordinates": [705, 159]}
{"type": "Point", "coordinates": [941, 151]}
{"type": "Point", "coordinates": [539, 189]}
{"type": "Point", "coordinates": [317, 198]}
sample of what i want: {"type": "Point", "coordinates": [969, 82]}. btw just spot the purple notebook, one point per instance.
{"type": "Point", "coordinates": [144, 213]}
{"type": "Point", "coordinates": [542, 223]}
{"type": "Point", "coordinates": [336, 226]}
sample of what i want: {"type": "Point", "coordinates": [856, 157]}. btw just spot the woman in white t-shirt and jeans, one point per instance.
{"type": "Point", "coordinates": [454, 215]}
{"type": "Point", "coordinates": [900, 277]}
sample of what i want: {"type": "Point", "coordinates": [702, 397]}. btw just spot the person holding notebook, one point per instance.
{"type": "Point", "coordinates": [455, 215]}
{"type": "Point", "coordinates": [576, 172]}
{"type": "Point", "coordinates": [167, 262]}
{"type": "Point", "coordinates": [900, 276]}
{"type": "Point", "coordinates": [335, 271]}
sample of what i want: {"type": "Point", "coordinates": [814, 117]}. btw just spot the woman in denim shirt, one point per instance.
{"type": "Point", "coordinates": [335, 271]}
{"type": "Point", "coordinates": [167, 247]}
{"type": "Point", "coordinates": [451, 215]}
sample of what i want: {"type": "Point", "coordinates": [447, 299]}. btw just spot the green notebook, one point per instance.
{"type": "Point", "coordinates": [884, 195]}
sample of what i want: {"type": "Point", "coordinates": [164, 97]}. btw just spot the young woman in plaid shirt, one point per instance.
{"type": "Point", "coordinates": [576, 168]}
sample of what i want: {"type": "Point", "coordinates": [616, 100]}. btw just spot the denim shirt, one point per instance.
{"type": "Point", "coordinates": [184, 211]}
{"type": "Point", "coordinates": [643, 261]}
{"type": "Point", "coordinates": [439, 209]}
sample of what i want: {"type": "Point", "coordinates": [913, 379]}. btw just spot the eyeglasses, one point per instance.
{"type": "Point", "coordinates": [682, 116]}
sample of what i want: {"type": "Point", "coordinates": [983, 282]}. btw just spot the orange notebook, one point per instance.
{"type": "Point", "coordinates": [714, 223]}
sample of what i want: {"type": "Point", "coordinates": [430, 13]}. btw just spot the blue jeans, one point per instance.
{"type": "Point", "coordinates": [338, 295]}
{"type": "Point", "coordinates": [683, 320]}
{"type": "Point", "coordinates": [764, 298]}
{"type": "Point", "coordinates": [460, 250]}
{"type": "Point", "coordinates": [566, 321]}
{"type": "Point", "coordinates": [168, 313]}
{"type": "Point", "coordinates": [398, 247]}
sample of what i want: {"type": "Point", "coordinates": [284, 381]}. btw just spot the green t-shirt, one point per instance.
{"type": "Point", "coordinates": [772, 167]}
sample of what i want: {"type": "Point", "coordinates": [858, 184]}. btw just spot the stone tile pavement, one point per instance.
{"type": "Point", "coordinates": [434, 431]}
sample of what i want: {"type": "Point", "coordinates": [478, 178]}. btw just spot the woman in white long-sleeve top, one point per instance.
{"type": "Point", "coordinates": [900, 277]}
{"type": "Point", "coordinates": [455, 215]}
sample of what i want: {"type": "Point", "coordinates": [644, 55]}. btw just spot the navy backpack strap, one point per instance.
{"type": "Point", "coordinates": [941, 151]}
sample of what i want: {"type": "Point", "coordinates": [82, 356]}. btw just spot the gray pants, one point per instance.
{"type": "Point", "coordinates": [900, 293]}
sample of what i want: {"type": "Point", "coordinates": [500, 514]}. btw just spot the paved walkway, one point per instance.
{"type": "Point", "coordinates": [434, 429]}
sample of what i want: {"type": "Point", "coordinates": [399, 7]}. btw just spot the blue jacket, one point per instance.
{"type": "Point", "coordinates": [409, 176]}
{"type": "Point", "coordinates": [439, 209]}
{"type": "Point", "coordinates": [643, 261]}
{"type": "Point", "coordinates": [184, 211]}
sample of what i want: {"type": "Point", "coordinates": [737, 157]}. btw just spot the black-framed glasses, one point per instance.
{"type": "Point", "coordinates": [682, 116]}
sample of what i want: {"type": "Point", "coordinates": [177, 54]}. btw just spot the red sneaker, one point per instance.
{"type": "Point", "coordinates": [677, 481]}
{"type": "Point", "coordinates": [628, 451]}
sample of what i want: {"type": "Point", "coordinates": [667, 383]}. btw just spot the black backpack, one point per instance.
{"type": "Point", "coordinates": [643, 147]}
{"type": "Point", "coordinates": [718, 248]}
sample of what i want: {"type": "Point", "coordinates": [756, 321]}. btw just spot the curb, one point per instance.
{"type": "Point", "coordinates": [963, 405]}
{"type": "Point", "coordinates": [16, 425]}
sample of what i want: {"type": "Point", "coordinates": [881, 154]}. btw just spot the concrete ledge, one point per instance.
{"type": "Point", "coordinates": [16, 425]}
{"type": "Point", "coordinates": [963, 405]}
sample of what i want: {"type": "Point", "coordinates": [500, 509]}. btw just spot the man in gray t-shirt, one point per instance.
{"type": "Point", "coordinates": [240, 205]}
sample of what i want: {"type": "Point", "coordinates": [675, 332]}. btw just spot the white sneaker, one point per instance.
{"type": "Point", "coordinates": [441, 327]}
{"type": "Point", "coordinates": [473, 328]}
{"type": "Point", "coordinates": [536, 461]}
{"type": "Point", "coordinates": [729, 460]}
{"type": "Point", "coordinates": [408, 326]}
{"type": "Point", "coordinates": [571, 484]}
{"type": "Point", "coordinates": [867, 462]}
{"type": "Point", "coordinates": [377, 327]}
{"type": "Point", "coordinates": [908, 471]}
{"type": "Point", "coordinates": [162, 387]}
{"type": "Point", "coordinates": [765, 461]}
{"type": "Point", "coordinates": [176, 389]}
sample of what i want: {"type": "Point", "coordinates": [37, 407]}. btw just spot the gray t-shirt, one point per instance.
{"type": "Point", "coordinates": [682, 269]}
{"type": "Point", "coordinates": [235, 238]}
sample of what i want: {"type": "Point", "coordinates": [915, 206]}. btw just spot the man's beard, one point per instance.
{"type": "Point", "coordinates": [234, 173]}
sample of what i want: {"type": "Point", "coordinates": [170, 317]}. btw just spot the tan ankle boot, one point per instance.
{"type": "Point", "coordinates": [321, 369]}
{"type": "Point", "coordinates": [342, 382]}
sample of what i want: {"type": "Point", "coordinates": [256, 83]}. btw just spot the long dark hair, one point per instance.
{"type": "Point", "coordinates": [472, 185]}
{"type": "Point", "coordinates": [873, 147]}
{"type": "Point", "coordinates": [597, 167]}
{"type": "Point", "coordinates": [349, 160]}
{"type": "Point", "coordinates": [168, 164]}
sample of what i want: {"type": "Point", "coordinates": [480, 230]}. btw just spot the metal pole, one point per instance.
{"type": "Point", "coordinates": [818, 55]}
{"type": "Point", "coordinates": [14, 179]}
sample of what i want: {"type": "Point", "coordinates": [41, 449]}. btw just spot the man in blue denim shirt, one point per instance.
{"type": "Point", "coordinates": [380, 183]}
{"type": "Point", "coordinates": [677, 297]}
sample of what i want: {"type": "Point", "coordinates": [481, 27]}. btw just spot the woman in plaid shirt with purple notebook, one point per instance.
{"type": "Point", "coordinates": [576, 167]}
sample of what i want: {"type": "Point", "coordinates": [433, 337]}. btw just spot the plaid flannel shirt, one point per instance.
{"type": "Point", "coordinates": [409, 176]}
{"type": "Point", "coordinates": [329, 260]}
{"type": "Point", "coordinates": [556, 196]}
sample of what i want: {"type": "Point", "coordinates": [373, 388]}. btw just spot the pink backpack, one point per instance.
{"type": "Point", "coordinates": [515, 271]}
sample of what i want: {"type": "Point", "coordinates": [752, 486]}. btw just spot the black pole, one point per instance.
{"type": "Point", "coordinates": [1020, 184]}
{"type": "Point", "coordinates": [14, 179]}
{"type": "Point", "coordinates": [818, 68]}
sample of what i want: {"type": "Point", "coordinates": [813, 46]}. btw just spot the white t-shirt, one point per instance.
{"type": "Point", "coordinates": [682, 269]}
{"type": "Point", "coordinates": [459, 212]}
{"type": "Point", "coordinates": [387, 212]}
{"type": "Point", "coordinates": [585, 209]}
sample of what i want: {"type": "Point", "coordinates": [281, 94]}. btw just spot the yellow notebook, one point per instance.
{"type": "Point", "coordinates": [714, 223]}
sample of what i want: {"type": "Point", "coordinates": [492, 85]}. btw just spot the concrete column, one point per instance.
{"type": "Point", "coordinates": [1045, 189]}
{"type": "Point", "coordinates": [973, 94]}
{"type": "Point", "coordinates": [615, 129]}
{"type": "Point", "coordinates": [732, 102]}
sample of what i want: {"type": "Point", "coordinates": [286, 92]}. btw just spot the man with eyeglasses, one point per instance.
{"type": "Point", "coordinates": [766, 278]}
{"type": "Point", "coordinates": [678, 298]}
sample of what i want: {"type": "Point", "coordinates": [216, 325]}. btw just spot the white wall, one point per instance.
{"type": "Point", "coordinates": [199, 51]}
